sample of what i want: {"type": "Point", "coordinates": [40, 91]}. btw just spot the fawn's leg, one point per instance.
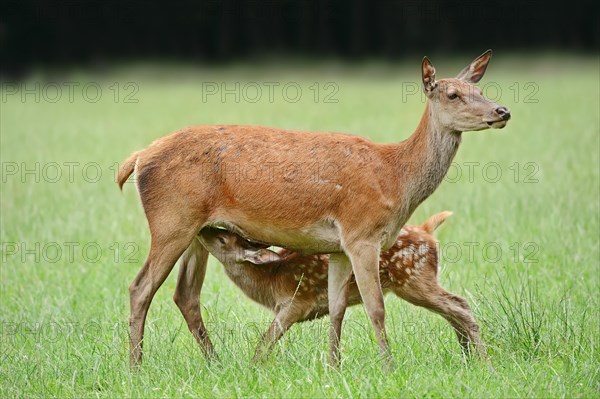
{"type": "Point", "coordinates": [285, 318]}
{"type": "Point", "coordinates": [340, 271]}
{"type": "Point", "coordinates": [467, 329]}
{"type": "Point", "coordinates": [453, 308]}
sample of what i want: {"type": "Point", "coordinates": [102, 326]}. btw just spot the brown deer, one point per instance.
{"type": "Point", "coordinates": [294, 286]}
{"type": "Point", "coordinates": [316, 193]}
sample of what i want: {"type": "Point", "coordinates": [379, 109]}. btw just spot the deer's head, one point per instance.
{"type": "Point", "coordinates": [457, 104]}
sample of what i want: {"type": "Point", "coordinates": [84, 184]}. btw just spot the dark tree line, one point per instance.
{"type": "Point", "coordinates": [59, 32]}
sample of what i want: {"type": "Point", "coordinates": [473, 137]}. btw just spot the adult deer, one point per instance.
{"type": "Point", "coordinates": [315, 193]}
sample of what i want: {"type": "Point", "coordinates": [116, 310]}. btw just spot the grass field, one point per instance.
{"type": "Point", "coordinates": [522, 246]}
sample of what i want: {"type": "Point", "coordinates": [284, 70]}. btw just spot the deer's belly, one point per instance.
{"type": "Point", "coordinates": [319, 237]}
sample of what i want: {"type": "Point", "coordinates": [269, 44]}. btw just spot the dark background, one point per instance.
{"type": "Point", "coordinates": [46, 33]}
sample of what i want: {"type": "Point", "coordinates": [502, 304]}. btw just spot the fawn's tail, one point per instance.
{"type": "Point", "coordinates": [434, 221]}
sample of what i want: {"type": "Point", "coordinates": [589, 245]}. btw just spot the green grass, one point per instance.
{"type": "Point", "coordinates": [64, 315]}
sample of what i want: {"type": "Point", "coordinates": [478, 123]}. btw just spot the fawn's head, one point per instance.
{"type": "Point", "coordinates": [230, 248]}
{"type": "Point", "coordinates": [457, 104]}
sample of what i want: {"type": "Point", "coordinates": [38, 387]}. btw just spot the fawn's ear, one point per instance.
{"type": "Point", "coordinates": [428, 76]}
{"type": "Point", "coordinates": [261, 257]}
{"type": "Point", "coordinates": [473, 72]}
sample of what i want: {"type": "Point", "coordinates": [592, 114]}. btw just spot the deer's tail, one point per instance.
{"type": "Point", "coordinates": [127, 169]}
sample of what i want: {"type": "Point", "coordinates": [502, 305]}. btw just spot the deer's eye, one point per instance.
{"type": "Point", "coordinates": [452, 96]}
{"type": "Point", "coordinates": [221, 240]}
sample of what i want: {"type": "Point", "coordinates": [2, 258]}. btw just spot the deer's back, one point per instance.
{"type": "Point", "coordinates": [289, 188]}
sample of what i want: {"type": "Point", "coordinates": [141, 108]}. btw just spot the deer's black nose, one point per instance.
{"type": "Point", "coordinates": [503, 113]}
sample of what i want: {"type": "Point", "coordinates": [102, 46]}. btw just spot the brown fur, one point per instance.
{"type": "Point", "coordinates": [294, 286]}
{"type": "Point", "coordinates": [315, 193]}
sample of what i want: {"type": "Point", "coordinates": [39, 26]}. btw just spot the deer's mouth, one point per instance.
{"type": "Point", "coordinates": [498, 124]}
{"type": "Point", "coordinates": [498, 119]}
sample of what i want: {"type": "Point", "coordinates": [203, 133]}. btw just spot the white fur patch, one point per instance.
{"type": "Point", "coordinates": [396, 257]}
{"type": "Point", "coordinates": [423, 248]}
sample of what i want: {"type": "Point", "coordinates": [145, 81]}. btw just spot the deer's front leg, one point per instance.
{"type": "Point", "coordinates": [365, 265]}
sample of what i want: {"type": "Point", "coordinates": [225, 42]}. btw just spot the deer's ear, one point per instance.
{"type": "Point", "coordinates": [473, 72]}
{"type": "Point", "coordinates": [428, 76]}
{"type": "Point", "coordinates": [261, 257]}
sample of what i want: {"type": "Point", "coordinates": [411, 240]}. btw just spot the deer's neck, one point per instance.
{"type": "Point", "coordinates": [424, 158]}
{"type": "Point", "coordinates": [252, 280]}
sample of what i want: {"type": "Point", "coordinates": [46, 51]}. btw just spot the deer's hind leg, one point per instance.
{"type": "Point", "coordinates": [172, 231]}
{"type": "Point", "coordinates": [192, 269]}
